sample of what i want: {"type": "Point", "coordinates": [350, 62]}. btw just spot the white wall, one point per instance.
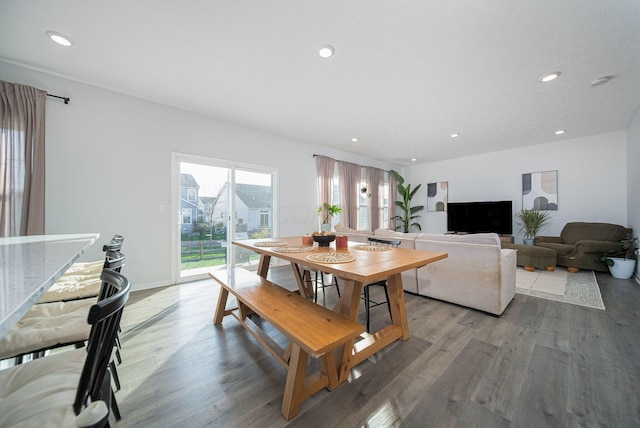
{"type": "Point", "coordinates": [633, 178]}
{"type": "Point", "coordinates": [109, 168]}
{"type": "Point", "coordinates": [109, 162]}
{"type": "Point", "coordinates": [592, 180]}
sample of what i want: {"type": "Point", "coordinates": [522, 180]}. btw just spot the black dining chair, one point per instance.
{"type": "Point", "coordinates": [369, 303]}
{"type": "Point", "coordinates": [69, 388]}
{"type": "Point", "coordinates": [319, 281]}
{"type": "Point", "coordinates": [53, 325]}
{"type": "Point", "coordinates": [49, 326]}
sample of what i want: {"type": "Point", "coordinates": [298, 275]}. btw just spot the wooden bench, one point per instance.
{"type": "Point", "coordinates": [313, 330]}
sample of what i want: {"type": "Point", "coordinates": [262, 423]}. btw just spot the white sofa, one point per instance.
{"type": "Point", "coordinates": [477, 273]}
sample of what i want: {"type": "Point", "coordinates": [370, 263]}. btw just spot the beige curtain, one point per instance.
{"type": "Point", "coordinates": [393, 197]}
{"type": "Point", "coordinates": [22, 160]}
{"type": "Point", "coordinates": [326, 170]}
{"type": "Point", "coordinates": [350, 175]}
{"type": "Point", "coordinates": [375, 186]}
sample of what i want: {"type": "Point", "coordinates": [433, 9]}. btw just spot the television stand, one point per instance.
{"type": "Point", "coordinates": [506, 239]}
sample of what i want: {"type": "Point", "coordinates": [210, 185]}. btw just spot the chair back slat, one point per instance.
{"type": "Point", "coordinates": [115, 244]}
{"type": "Point", "coordinates": [104, 318]}
{"type": "Point", "coordinates": [113, 261]}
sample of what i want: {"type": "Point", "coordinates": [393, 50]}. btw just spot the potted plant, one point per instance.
{"type": "Point", "coordinates": [328, 211]}
{"type": "Point", "coordinates": [530, 222]}
{"type": "Point", "coordinates": [622, 263]}
{"type": "Point", "coordinates": [408, 212]}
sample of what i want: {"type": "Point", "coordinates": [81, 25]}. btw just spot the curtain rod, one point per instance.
{"type": "Point", "coordinates": [363, 166]}
{"type": "Point", "coordinates": [66, 99]}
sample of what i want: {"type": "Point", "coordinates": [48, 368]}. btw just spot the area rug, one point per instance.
{"type": "Point", "coordinates": [579, 288]}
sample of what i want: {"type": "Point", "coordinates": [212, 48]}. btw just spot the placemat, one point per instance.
{"type": "Point", "coordinates": [331, 257]}
{"type": "Point", "coordinates": [373, 247]}
{"type": "Point", "coordinates": [293, 249]}
{"type": "Point", "coordinates": [271, 244]}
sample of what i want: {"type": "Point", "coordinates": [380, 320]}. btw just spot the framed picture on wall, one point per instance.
{"type": "Point", "coordinates": [540, 191]}
{"type": "Point", "coordinates": [437, 196]}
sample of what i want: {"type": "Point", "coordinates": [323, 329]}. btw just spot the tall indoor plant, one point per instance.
{"type": "Point", "coordinates": [530, 222]}
{"type": "Point", "coordinates": [406, 220]}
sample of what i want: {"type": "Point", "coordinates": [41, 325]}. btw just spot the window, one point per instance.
{"type": "Point", "coordinates": [264, 218]}
{"type": "Point", "coordinates": [191, 195]}
{"type": "Point", "coordinates": [363, 207]}
{"type": "Point", "coordinates": [385, 203]}
{"type": "Point", "coordinates": [365, 203]}
{"type": "Point", "coordinates": [186, 216]}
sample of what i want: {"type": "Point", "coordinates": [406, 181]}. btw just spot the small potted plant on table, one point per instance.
{"type": "Point", "coordinates": [329, 211]}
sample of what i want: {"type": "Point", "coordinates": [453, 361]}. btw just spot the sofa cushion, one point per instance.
{"type": "Point", "coordinates": [344, 229]}
{"type": "Point", "coordinates": [471, 238]}
{"type": "Point", "coordinates": [395, 234]}
{"type": "Point", "coordinates": [560, 249]}
{"type": "Point", "coordinates": [579, 231]}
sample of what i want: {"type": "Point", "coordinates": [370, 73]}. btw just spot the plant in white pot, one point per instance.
{"type": "Point", "coordinates": [530, 222]}
{"type": "Point", "coordinates": [328, 211]}
{"type": "Point", "coordinates": [622, 263]}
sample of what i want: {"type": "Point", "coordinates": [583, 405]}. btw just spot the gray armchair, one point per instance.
{"type": "Point", "coordinates": [580, 244]}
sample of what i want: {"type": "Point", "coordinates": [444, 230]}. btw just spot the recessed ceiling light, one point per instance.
{"type": "Point", "coordinates": [560, 132]}
{"type": "Point", "coordinates": [413, 159]}
{"type": "Point", "coordinates": [354, 139]}
{"type": "Point", "coordinates": [549, 77]}
{"type": "Point", "coordinates": [455, 135]}
{"type": "Point", "coordinates": [326, 51]}
{"type": "Point", "coordinates": [60, 38]}
{"type": "Point", "coordinates": [601, 80]}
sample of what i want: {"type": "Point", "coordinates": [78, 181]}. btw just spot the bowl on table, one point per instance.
{"type": "Point", "coordinates": [323, 240]}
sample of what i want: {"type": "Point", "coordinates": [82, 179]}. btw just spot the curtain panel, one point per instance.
{"type": "Point", "coordinates": [22, 160]}
{"type": "Point", "coordinates": [350, 176]}
{"type": "Point", "coordinates": [375, 186]}
{"type": "Point", "coordinates": [326, 169]}
{"type": "Point", "coordinates": [393, 197]}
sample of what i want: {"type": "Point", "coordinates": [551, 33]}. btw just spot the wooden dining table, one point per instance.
{"type": "Point", "coordinates": [365, 265]}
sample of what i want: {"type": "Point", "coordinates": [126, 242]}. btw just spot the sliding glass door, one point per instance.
{"type": "Point", "coordinates": [217, 201]}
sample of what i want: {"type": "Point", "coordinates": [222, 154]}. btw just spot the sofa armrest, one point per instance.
{"type": "Point", "coordinates": [549, 239]}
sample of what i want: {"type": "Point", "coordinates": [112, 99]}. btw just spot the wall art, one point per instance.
{"type": "Point", "coordinates": [437, 196]}
{"type": "Point", "coordinates": [540, 191]}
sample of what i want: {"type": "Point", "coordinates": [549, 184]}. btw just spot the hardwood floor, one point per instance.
{"type": "Point", "coordinates": [541, 364]}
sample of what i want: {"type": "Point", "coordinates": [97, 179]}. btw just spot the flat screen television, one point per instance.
{"type": "Point", "coordinates": [480, 217]}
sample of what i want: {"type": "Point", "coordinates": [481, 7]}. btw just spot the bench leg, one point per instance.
{"type": "Point", "coordinates": [294, 387]}
{"type": "Point", "coordinates": [221, 306]}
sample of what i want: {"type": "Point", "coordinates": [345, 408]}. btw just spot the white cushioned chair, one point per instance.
{"type": "Point", "coordinates": [71, 388]}
{"type": "Point", "coordinates": [52, 325]}
{"type": "Point", "coordinates": [82, 279]}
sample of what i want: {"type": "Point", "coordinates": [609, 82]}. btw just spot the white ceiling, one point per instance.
{"type": "Point", "coordinates": [405, 74]}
